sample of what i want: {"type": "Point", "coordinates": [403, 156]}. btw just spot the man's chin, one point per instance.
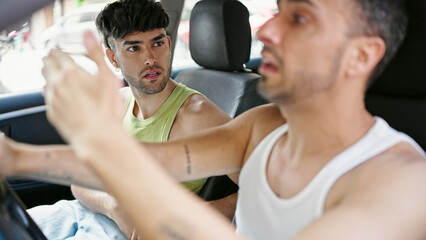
{"type": "Point", "coordinates": [152, 90]}
{"type": "Point", "coordinates": [262, 89]}
{"type": "Point", "coordinates": [272, 94]}
{"type": "Point", "coordinates": [157, 88]}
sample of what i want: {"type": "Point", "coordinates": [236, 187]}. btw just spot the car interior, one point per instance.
{"type": "Point", "coordinates": [220, 42]}
{"type": "Point", "coordinates": [398, 95]}
{"type": "Point", "coordinates": [222, 76]}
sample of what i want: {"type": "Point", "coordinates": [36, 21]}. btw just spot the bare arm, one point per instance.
{"type": "Point", "coordinates": [208, 153]}
{"type": "Point", "coordinates": [196, 114]}
{"type": "Point", "coordinates": [171, 214]}
{"type": "Point", "coordinates": [219, 150]}
{"type": "Point", "coordinates": [53, 163]}
{"type": "Point", "coordinates": [103, 203]}
{"type": "Point", "coordinates": [226, 205]}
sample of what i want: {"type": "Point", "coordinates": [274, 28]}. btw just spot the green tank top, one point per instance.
{"type": "Point", "coordinates": [157, 127]}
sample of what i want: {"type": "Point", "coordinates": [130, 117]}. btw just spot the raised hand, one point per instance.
{"type": "Point", "coordinates": [78, 100]}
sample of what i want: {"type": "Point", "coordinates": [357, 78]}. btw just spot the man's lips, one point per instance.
{"type": "Point", "coordinates": [152, 74]}
{"type": "Point", "coordinates": [267, 67]}
{"type": "Point", "coordinates": [270, 61]}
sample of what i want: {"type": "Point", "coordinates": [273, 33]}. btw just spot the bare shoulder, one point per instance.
{"type": "Point", "coordinates": [198, 108]}
{"type": "Point", "coordinates": [405, 162]}
{"type": "Point", "coordinates": [197, 113]}
{"type": "Point", "coordinates": [399, 162]}
{"type": "Point", "coordinates": [401, 166]}
{"type": "Point", "coordinates": [263, 119]}
{"type": "Point", "coordinates": [266, 113]}
{"type": "Point", "coordinates": [257, 123]}
{"type": "Point", "coordinates": [389, 188]}
{"type": "Point", "coordinates": [202, 109]}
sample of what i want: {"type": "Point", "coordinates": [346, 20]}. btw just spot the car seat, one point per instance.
{"type": "Point", "coordinates": [398, 95]}
{"type": "Point", "coordinates": [220, 41]}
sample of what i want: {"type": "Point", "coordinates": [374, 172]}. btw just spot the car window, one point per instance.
{"type": "Point", "coordinates": [20, 59]}
{"type": "Point", "coordinates": [88, 17]}
{"type": "Point", "coordinates": [71, 20]}
{"type": "Point", "coordinates": [23, 46]}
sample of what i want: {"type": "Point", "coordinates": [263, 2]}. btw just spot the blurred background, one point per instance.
{"type": "Point", "coordinates": [61, 25]}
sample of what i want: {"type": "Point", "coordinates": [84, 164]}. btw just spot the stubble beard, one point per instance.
{"type": "Point", "coordinates": [145, 88]}
{"type": "Point", "coordinates": [305, 84]}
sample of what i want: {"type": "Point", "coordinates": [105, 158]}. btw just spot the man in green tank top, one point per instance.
{"type": "Point", "coordinates": [316, 65]}
{"type": "Point", "coordinates": [157, 109]}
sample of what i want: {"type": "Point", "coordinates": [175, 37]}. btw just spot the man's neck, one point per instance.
{"type": "Point", "coordinates": [322, 125]}
{"type": "Point", "coordinates": [147, 105]}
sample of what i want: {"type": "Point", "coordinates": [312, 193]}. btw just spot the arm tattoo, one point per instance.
{"type": "Point", "coordinates": [171, 233]}
{"type": "Point", "coordinates": [176, 228]}
{"type": "Point", "coordinates": [65, 178]}
{"type": "Point", "coordinates": [188, 159]}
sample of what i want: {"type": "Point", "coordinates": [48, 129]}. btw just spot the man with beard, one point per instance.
{"type": "Point", "coordinates": [156, 109]}
{"type": "Point", "coordinates": [315, 165]}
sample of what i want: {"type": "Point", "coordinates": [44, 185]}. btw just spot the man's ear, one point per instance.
{"type": "Point", "coordinates": [111, 57]}
{"type": "Point", "coordinates": [169, 41]}
{"type": "Point", "coordinates": [364, 55]}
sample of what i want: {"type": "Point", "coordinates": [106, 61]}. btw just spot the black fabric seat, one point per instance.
{"type": "Point", "coordinates": [399, 94]}
{"type": "Point", "coordinates": [220, 41]}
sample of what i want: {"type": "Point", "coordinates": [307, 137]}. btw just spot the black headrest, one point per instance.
{"type": "Point", "coordinates": [406, 74]}
{"type": "Point", "coordinates": [220, 36]}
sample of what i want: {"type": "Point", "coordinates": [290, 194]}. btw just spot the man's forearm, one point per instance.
{"type": "Point", "coordinates": [151, 208]}
{"type": "Point", "coordinates": [52, 163]}
{"type": "Point", "coordinates": [226, 205]}
{"type": "Point", "coordinates": [97, 201]}
{"type": "Point", "coordinates": [204, 154]}
{"type": "Point", "coordinates": [103, 203]}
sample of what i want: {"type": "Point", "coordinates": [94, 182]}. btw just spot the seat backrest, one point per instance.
{"type": "Point", "coordinates": [399, 94]}
{"type": "Point", "coordinates": [220, 41]}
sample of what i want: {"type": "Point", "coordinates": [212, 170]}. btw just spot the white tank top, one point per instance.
{"type": "Point", "coordinates": [262, 215]}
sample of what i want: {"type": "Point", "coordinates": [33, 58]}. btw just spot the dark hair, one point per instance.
{"type": "Point", "coordinates": [122, 17]}
{"type": "Point", "coordinates": [387, 19]}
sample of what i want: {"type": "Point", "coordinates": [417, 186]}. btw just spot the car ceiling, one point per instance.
{"type": "Point", "coordinates": [21, 10]}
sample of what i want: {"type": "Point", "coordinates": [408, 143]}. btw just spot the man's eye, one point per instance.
{"type": "Point", "coordinates": [158, 44]}
{"type": "Point", "coordinates": [299, 19]}
{"type": "Point", "coordinates": [133, 48]}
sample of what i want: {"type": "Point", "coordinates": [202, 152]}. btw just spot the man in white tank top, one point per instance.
{"type": "Point", "coordinates": [315, 165]}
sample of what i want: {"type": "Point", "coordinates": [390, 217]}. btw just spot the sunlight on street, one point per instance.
{"type": "Point", "coordinates": [21, 70]}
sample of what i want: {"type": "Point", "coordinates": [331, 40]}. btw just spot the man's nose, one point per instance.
{"type": "Point", "coordinates": [270, 33]}
{"type": "Point", "coordinates": [150, 58]}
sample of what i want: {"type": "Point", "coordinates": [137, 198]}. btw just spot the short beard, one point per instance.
{"type": "Point", "coordinates": [306, 85]}
{"type": "Point", "coordinates": [163, 85]}
{"type": "Point", "coordinates": [143, 88]}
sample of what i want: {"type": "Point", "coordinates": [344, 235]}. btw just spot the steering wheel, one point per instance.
{"type": "Point", "coordinates": [15, 222]}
